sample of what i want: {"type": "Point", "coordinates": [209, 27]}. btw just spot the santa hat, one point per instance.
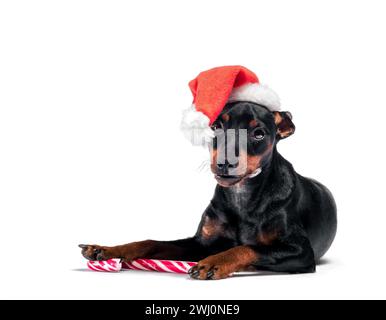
{"type": "Point", "coordinates": [213, 89]}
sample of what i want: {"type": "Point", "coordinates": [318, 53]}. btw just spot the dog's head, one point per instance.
{"type": "Point", "coordinates": [245, 136]}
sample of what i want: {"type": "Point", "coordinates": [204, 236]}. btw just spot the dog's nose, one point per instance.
{"type": "Point", "coordinates": [227, 165]}
{"type": "Point", "coordinates": [220, 165]}
{"type": "Point", "coordinates": [233, 165]}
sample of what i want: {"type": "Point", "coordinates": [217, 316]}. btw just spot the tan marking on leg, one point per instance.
{"type": "Point", "coordinates": [210, 228]}
{"type": "Point", "coordinates": [267, 238]}
{"type": "Point", "coordinates": [225, 263]}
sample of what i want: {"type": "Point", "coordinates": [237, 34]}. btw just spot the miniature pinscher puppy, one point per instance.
{"type": "Point", "coordinates": [263, 216]}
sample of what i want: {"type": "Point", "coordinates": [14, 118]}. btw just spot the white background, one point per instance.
{"type": "Point", "coordinates": [91, 94]}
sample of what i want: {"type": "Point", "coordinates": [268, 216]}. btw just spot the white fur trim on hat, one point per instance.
{"type": "Point", "coordinates": [195, 127]}
{"type": "Point", "coordinates": [195, 124]}
{"type": "Point", "coordinates": [258, 93]}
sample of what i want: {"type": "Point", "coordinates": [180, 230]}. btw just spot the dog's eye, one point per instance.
{"type": "Point", "coordinates": [216, 126]}
{"type": "Point", "coordinates": [258, 134]}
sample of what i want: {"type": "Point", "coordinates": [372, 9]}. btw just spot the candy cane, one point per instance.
{"type": "Point", "coordinates": [114, 265]}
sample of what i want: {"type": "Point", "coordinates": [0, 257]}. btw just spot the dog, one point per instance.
{"type": "Point", "coordinates": [263, 216]}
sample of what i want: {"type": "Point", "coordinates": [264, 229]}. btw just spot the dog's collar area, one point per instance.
{"type": "Point", "coordinates": [255, 173]}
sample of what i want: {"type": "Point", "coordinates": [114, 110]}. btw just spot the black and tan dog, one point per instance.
{"type": "Point", "coordinates": [276, 220]}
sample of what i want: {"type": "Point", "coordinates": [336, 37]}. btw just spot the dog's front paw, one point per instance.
{"type": "Point", "coordinates": [213, 268]}
{"type": "Point", "coordinates": [94, 252]}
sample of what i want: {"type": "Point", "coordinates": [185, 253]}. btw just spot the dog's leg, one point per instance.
{"type": "Point", "coordinates": [188, 249]}
{"type": "Point", "coordinates": [291, 255]}
{"type": "Point", "coordinates": [223, 264]}
{"type": "Point", "coordinates": [208, 240]}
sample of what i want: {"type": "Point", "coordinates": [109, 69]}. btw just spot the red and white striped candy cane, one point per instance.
{"type": "Point", "coordinates": [114, 265]}
{"type": "Point", "coordinates": [159, 265]}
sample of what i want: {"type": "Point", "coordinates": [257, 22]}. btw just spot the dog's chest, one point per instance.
{"type": "Point", "coordinates": [239, 199]}
{"type": "Point", "coordinates": [247, 228]}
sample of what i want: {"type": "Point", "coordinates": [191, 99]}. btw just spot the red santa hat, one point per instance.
{"type": "Point", "coordinates": [213, 89]}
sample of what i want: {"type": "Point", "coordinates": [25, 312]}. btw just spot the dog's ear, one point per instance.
{"type": "Point", "coordinates": [284, 124]}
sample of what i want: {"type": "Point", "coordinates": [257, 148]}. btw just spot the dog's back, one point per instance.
{"type": "Point", "coordinates": [318, 214]}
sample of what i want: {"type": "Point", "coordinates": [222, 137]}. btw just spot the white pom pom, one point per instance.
{"type": "Point", "coordinates": [258, 93]}
{"type": "Point", "coordinates": [195, 127]}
